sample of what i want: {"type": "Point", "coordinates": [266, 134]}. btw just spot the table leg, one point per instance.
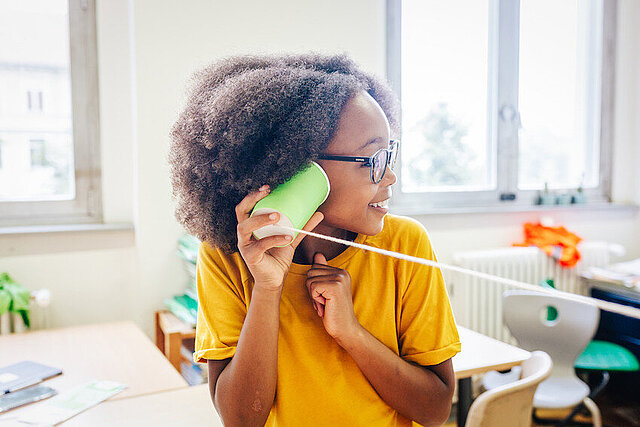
{"type": "Point", "coordinates": [465, 398]}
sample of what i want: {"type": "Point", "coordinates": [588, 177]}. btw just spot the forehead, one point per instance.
{"type": "Point", "coordinates": [361, 120]}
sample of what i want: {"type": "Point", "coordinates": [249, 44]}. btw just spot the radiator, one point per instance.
{"type": "Point", "coordinates": [477, 304]}
{"type": "Point", "coordinates": [39, 314]}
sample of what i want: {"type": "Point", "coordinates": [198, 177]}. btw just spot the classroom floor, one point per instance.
{"type": "Point", "coordinates": [619, 404]}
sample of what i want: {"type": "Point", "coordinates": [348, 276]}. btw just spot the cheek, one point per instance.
{"type": "Point", "coordinates": [347, 204]}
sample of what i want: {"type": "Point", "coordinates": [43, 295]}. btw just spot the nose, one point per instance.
{"type": "Point", "coordinates": [389, 177]}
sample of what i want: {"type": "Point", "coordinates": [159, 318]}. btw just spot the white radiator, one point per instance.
{"type": "Point", "coordinates": [477, 304]}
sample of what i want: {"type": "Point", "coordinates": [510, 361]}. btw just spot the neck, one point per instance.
{"type": "Point", "coordinates": [310, 245]}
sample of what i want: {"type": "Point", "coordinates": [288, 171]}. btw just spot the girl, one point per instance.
{"type": "Point", "coordinates": [312, 333]}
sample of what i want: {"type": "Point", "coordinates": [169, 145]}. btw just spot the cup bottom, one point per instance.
{"type": "Point", "coordinates": [273, 229]}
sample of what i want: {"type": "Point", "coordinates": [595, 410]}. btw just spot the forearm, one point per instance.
{"type": "Point", "coordinates": [415, 392]}
{"type": "Point", "coordinates": [246, 388]}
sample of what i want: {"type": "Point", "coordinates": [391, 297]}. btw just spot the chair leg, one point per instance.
{"type": "Point", "coordinates": [595, 412]}
{"type": "Point", "coordinates": [596, 417]}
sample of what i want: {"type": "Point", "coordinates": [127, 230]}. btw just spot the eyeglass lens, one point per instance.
{"type": "Point", "coordinates": [381, 160]}
{"type": "Point", "coordinates": [380, 165]}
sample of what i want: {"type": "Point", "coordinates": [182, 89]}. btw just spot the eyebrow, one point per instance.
{"type": "Point", "coordinates": [372, 141]}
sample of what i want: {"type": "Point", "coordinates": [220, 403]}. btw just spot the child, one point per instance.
{"type": "Point", "coordinates": [313, 333]}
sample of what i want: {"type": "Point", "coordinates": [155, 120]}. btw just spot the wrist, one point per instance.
{"type": "Point", "coordinates": [266, 291]}
{"type": "Point", "coordinates": [351, 337]}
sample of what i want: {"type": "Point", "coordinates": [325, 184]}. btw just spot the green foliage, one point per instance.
{"type": "Point", "coordinates": [444, 159]}
{"type": "Point", "coordinates": [14, 298]}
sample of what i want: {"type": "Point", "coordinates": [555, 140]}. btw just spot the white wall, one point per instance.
{"type": "Point", "coordinates": [147, 51]}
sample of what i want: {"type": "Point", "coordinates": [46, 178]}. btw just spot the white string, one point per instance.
{"type": "Point", "coordinates": [604, 305]}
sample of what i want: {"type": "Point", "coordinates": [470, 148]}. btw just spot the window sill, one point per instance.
{"type": "Point", "coordinates": [47, 239]}
{"type": "Point", "coordinates": [586, 207]}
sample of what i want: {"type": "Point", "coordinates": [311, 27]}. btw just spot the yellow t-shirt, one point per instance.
{"type": "Point", "coordinates": [403, 304]}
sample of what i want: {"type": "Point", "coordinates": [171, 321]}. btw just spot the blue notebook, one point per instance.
{"type": "Point", "coordinates": [24, 374]}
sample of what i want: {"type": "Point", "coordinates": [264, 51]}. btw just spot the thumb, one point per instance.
{"type": "Point", "coordinates": [318, 258]}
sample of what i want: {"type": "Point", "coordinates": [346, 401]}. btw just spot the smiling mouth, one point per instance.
{"type": "Point", "coordinates": [380, 205]}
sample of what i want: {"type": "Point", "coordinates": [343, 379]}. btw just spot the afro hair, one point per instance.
{"type": "Point", "coordinates": [252, 120]}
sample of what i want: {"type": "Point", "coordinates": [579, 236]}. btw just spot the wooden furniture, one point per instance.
{"type": "Point", "coordinates": [157, 393]}
{"type": "Point", "coordinates": [480, 354]}
{"type": "Point", "coordinates": [170, 333]}
{"type": "Point", "coordinates": [511, 404]}
{"type": "Point", "coordinates": [117, 351]}
{"type": "Point", "coordinates": [190, 406]}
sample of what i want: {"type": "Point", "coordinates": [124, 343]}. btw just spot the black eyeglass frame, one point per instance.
{"type": "Point", "coordinates": [392, 155]}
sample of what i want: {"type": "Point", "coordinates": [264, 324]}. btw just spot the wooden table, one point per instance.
{"type": "Point", "coordinates": [480, 354]}
{"type": "Point", "coordinates": [158, 395]}
{"type": "Point", "coordinates": [108, 351]}
{"type": "Point", "coordinates": [190, 406]}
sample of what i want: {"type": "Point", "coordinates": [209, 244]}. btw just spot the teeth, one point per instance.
{"type": "Point", "coordinates": [382, 204]}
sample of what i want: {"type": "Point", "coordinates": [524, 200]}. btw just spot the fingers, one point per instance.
{"type": "Point", "coordinates": [267, 243]}
{"type": "Point", "coordinates": [249, 225]}
{"type": "Point", "coordinates": [330, 273]}
{"type": "Point", "coordinates": [315, 219]}
{"type": "Point", "coordinates": [319, 301]}
{"type": "Point", "coordinates": [243, 209]}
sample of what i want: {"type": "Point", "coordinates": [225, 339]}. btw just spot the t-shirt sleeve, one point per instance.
{"type": "Point", "coordinates": [428, 334]}
{"type": "Point", "coordinates": [221, 305]}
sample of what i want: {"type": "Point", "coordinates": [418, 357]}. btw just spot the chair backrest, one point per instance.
{"type": "Point", "coordinates": [511, 404]}
{"type": "Point", "coordinates": [563, 338]}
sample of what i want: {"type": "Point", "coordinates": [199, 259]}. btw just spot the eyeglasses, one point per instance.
{"type": "Point", "coordinates": [378, 162]}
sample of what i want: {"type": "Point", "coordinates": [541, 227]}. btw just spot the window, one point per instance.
{"type": "Point", "coordinates": [50, 166]}
{"type": "Point", "coordinates": [501, 99]}
{"type": "Point", "coordinates": [38, 153]}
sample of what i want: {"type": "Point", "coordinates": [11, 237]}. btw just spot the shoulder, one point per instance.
{"type": "Point", "coordinates": [215, 259]}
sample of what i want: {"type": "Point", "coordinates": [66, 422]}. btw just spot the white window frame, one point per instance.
{"type": "Point", "coordinates": [87, 205]}
{"type": "Point", "coordinates": [503, 133]}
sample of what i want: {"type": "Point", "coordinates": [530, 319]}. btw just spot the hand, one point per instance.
{"type": "Point", "coordinates": [330, 291]}
{"type": "Point", "coordinates": [268, 264]}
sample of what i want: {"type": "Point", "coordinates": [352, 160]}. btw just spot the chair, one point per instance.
{"type": "Point", "coordinates": [511, 404]}
{"type": "Point", "coordinates": [563, 338]}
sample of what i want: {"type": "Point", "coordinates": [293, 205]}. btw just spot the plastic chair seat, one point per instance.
{"type": "Point", "coordinates": [607, 356]}
{"type": "Point", "coordinates": [560, 392]}
{"type": "Point", "coordinates": [493, 379]}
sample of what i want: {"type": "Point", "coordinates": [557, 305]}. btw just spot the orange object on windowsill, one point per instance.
{"type": "Point", "coordinates": [557, 242]}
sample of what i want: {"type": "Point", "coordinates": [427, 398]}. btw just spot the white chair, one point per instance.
{"type": "Point", "coordinates": [511, 404]}
{"type": "Point", "coordinates": [564, 338]}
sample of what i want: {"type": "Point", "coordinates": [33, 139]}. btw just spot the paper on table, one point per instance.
{"type": "Point", "coordinates": [628, 267]}
{"type": "Point", "coordinates": [67, 404]}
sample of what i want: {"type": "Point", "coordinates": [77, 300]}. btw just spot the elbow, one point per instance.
{"type": "Point", "coordinates": [433, 419]}
{"type": "Point", "coordinates": [238, 411]}
{"type": "Point", "coordinates": [436, 412]}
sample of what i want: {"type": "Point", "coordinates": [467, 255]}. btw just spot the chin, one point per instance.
{"type": "Point", "coordinates": [373, 228]}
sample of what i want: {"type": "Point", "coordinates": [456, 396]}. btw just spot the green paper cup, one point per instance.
{"type": "Point", "coordinates": [296, 200]}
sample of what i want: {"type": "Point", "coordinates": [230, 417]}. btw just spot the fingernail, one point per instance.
{"type": "Point", "coordinates": [273, 215]}
{"type": "Point", "coordinates": [264, 187]}
{"type": "Point", "coordinates": [287, 237]}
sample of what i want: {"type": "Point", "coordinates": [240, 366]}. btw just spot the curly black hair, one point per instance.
{"type": "Point", "coordinates": [257, 119]}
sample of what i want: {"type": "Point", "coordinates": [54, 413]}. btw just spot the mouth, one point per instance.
{"type": "Point", "coordinates": [381, 206]}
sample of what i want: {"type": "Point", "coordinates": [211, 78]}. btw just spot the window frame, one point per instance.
{"type": "Point", "coordinates": [86, 207]}
{"type": "Point", "coordinates": [503, 64]}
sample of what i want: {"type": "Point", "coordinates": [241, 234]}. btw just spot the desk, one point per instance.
{"type": "Point", "coordinates": [480, 354]}
{"type": "Point", "coordinates": [158, 395]}
{"type": "Point", "coordinates": [190, 406]}
{"type": "Point", "coordinates": [110, 351]}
